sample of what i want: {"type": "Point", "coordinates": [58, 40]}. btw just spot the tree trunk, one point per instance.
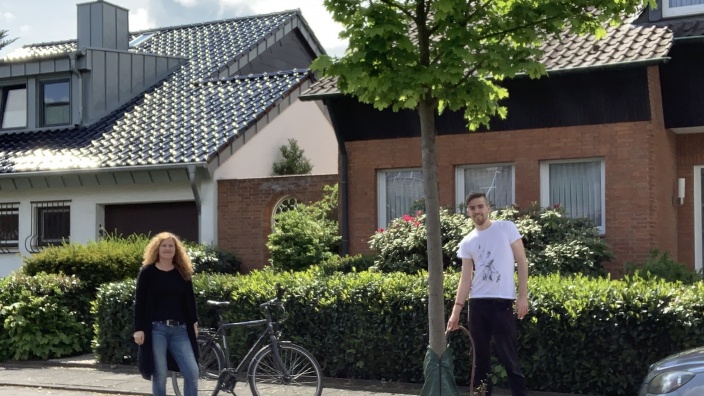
{"type": "Point", "coordinates": [436, 298]}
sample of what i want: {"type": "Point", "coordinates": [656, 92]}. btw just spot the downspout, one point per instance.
{"type": "Point", "coordinates": [343, 188]}
{"type": "Point", "coordinates": [194, 187]}
{"type": "Point", "coordinates": [79, 78]}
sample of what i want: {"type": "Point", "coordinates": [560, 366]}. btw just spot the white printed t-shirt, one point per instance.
{"type": "Point", "coordinates": [491, 252]}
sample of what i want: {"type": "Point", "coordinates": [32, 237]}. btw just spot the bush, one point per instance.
{"type": "Point", "coordinates": [582, 335]}
{"type": "Point", "coordinates": [553, 242]}
{"type": "Point", "coordinates": [403, 245]}
{"type": "Point", "coordinates": [210, 259]}
{"type": "Point", "coordinates": [347, 264]}
{"type": "Point", "coordinates": [304, 235]}
{"type": "Point", "coordinates": [107, 260]}
{"type": "Point", "coordinates": [662, 266]}
{"type": "Point", "coordinates": [44, 316]}
{"type": "Point", "coordinates": [292, 161]}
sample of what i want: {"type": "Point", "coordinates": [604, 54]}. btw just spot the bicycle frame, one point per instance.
{"type": "Point", "coordinates": [267, 332]}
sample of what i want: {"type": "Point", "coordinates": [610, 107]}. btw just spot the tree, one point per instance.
{"type": "Point", "coordinates": [431, 55]}
{"type": "Point", "coordinates": [292, 162]}
{"type": "Point", "coordinates": [4, 41]}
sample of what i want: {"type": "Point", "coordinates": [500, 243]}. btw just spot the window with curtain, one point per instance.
{"type": "Point", "coordinates": [496, 181]}
{"type": "Point", "coordinates": [673, 8]}
{"type": "Point", "coordinates": [577, 186]}
{"type": "Point", "coordinates": [400, 192]}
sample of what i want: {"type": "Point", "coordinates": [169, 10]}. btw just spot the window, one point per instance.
{"type": "Point", "coordinates": [56, 103]}
{"type": "Point", "coordinates": [400, 192]}
{"type": "Point", "coordinates": [496, 181]}
{"type": "Point", "coordinates": [284, 205]}
{"type": "Point", "coordinates": [9, 227]}
{"type": "Point", "coordinates": [577, 186]}
{"type": "Point", "coordinates": [13, 106]}
{"type": "Point", "coordinates": [51, 224]}
{"type": "Point", "coordinates": [674, 8]}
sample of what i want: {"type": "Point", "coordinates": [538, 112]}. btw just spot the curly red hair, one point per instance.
{"type": "Point", "coordinates": [181, 262]}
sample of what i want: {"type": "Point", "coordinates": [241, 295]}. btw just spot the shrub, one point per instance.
{"type": "Point", "coordinates": [292, 161]}
{"type": "Point", "coordinates": [403, 245]}
{"type": "Point", "coordinates": [554, 243]}
{"type": "Point", "coordinates": [347, 264]}
{"type": "Point", "coordinates": [43, 316]}
{"type": "Point", "coordinates": [662, 266]}
{"type": "Point", "coordinates": [107, 260]}
{"type": "Point", "coordinates": [582, 334]}
{"type": "Point", "coordinates": [304, 235]}
{"type": "Point", "coordinates": [210, 259]}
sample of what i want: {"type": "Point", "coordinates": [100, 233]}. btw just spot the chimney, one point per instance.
{"type": "Point", "coordinates": [103, 25]}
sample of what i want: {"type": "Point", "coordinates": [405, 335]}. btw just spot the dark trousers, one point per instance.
{"type": "Point", "coordinates": [494, 318]}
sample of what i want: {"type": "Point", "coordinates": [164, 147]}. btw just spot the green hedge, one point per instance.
{"type": "Point", "coordinates": [43, 316]}
{"type": "Point", "coordinates": [581, 335]}
{"type": "Point", "coordinates": [107, 260]}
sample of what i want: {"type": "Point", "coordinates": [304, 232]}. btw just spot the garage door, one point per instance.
{"type": "Point", "coordinates": [180, 218]}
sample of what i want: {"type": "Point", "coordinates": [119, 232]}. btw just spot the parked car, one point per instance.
{"type": "Point", "coordinates": [681, 374]}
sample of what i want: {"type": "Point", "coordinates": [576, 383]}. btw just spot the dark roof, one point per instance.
{"type": "Point", "coordinates": [685, 26]}
{"type": "Point", "coordinates": [625, 44]}
{"type": "Point", "coordinates": [185, 118]}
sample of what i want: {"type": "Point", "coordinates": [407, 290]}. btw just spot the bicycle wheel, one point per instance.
{"type": "Point", "coordinates": [211, 361]}
{"type": "Point", "coordinates": [304, 378]}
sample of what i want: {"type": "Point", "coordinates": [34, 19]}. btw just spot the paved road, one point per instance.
{"type": "Point", "coordinates": [21, 391]}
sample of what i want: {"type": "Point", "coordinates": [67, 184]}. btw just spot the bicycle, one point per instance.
{"type": "Point", "coordinates": [277, 368]}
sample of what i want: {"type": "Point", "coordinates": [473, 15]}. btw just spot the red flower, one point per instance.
{"type": "Point", "coordinates": [407, 218]}
{"type": "Point", "coordinates": [381, 230]}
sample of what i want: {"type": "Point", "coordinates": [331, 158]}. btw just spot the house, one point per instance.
{"type": "Point", "coordinates": [614, 132]}
{"type": "Point", "coordinates": [135, 132]}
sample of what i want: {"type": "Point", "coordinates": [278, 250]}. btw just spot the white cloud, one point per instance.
{"type": "Point", "coordinates": [25, 28]}
{"type": "Point", "coordinates": [141, 20]}
{"type": "Point", "coordinates": [187, 3]}
{"type": "Point", "coordinates": [8, 16]}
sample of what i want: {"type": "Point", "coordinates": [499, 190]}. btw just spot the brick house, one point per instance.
{"type": "Point", "coordinates": [613, 132]}
{"type": "Point", "coordinates": [133, 132]}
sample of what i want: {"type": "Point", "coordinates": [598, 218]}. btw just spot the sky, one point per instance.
{"type": "Point", "coordinates": [38, 21]}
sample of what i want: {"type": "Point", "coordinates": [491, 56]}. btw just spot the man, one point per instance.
{"type": "Point", "coordinates": [488, 254]}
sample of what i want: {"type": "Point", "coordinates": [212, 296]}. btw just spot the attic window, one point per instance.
{"type": "Point", "coordinates": [675, 8]}
{"type": "Point", "coordinates": [144, 37]}
{"type": "Point", "coordinates": [13, 106]}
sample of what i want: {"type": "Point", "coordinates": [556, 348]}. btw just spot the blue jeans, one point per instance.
{"type": "Point", "coordinates": [175, 340]}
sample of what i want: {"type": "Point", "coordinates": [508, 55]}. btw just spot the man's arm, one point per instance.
{"type": "Point", "coordinates": [519, 254]}
{"type": "Point", "coordinates": [463, 289]}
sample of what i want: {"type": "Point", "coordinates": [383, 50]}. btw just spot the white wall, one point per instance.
{"type": "Point", "coordinates": [86, 210]}
{"type": "Point", "coordinates": [303, 121]}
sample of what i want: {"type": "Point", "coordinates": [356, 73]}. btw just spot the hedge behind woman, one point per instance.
{"type": "Point", "coordinates": [165, 317]}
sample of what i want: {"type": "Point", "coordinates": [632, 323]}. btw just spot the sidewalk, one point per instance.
{"type": "Point", "coordinates": [83, 373]}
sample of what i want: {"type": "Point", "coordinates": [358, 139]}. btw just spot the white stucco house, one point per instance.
{"type": "Point", "coordinates": [130, 132]}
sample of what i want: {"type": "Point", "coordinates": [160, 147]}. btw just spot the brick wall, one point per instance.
{"type": "Point", "coordinates": [245, 208]}
{"type": "Point", "coordinates": [640, 172]}
{"type": "Point", "coordinates": [689, 155]}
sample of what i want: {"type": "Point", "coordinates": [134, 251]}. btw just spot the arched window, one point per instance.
{"type": "Point", "coordinates": [285, 204]}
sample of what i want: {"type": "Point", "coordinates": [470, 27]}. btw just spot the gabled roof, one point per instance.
{"type": "Point", "coordinates": [626, 44]}
{"type": "Point", "coordinates": [186, 118]}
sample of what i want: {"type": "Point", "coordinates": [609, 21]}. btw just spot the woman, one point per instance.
{"type": "Point", "coordinates": [165, 317]}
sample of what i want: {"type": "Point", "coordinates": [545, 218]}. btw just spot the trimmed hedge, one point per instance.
{"type": "Point", "coordinates": [582, 335]}
{"type": "Point", "coordinates": [43, 316]}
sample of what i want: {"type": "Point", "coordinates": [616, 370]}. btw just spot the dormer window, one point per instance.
{"type": "Point", "coordinates": [13, 106]}
{"type": "Point", "coordinates": [56, 102]}
{"type": "Point", "coordinates": [675, 8]}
